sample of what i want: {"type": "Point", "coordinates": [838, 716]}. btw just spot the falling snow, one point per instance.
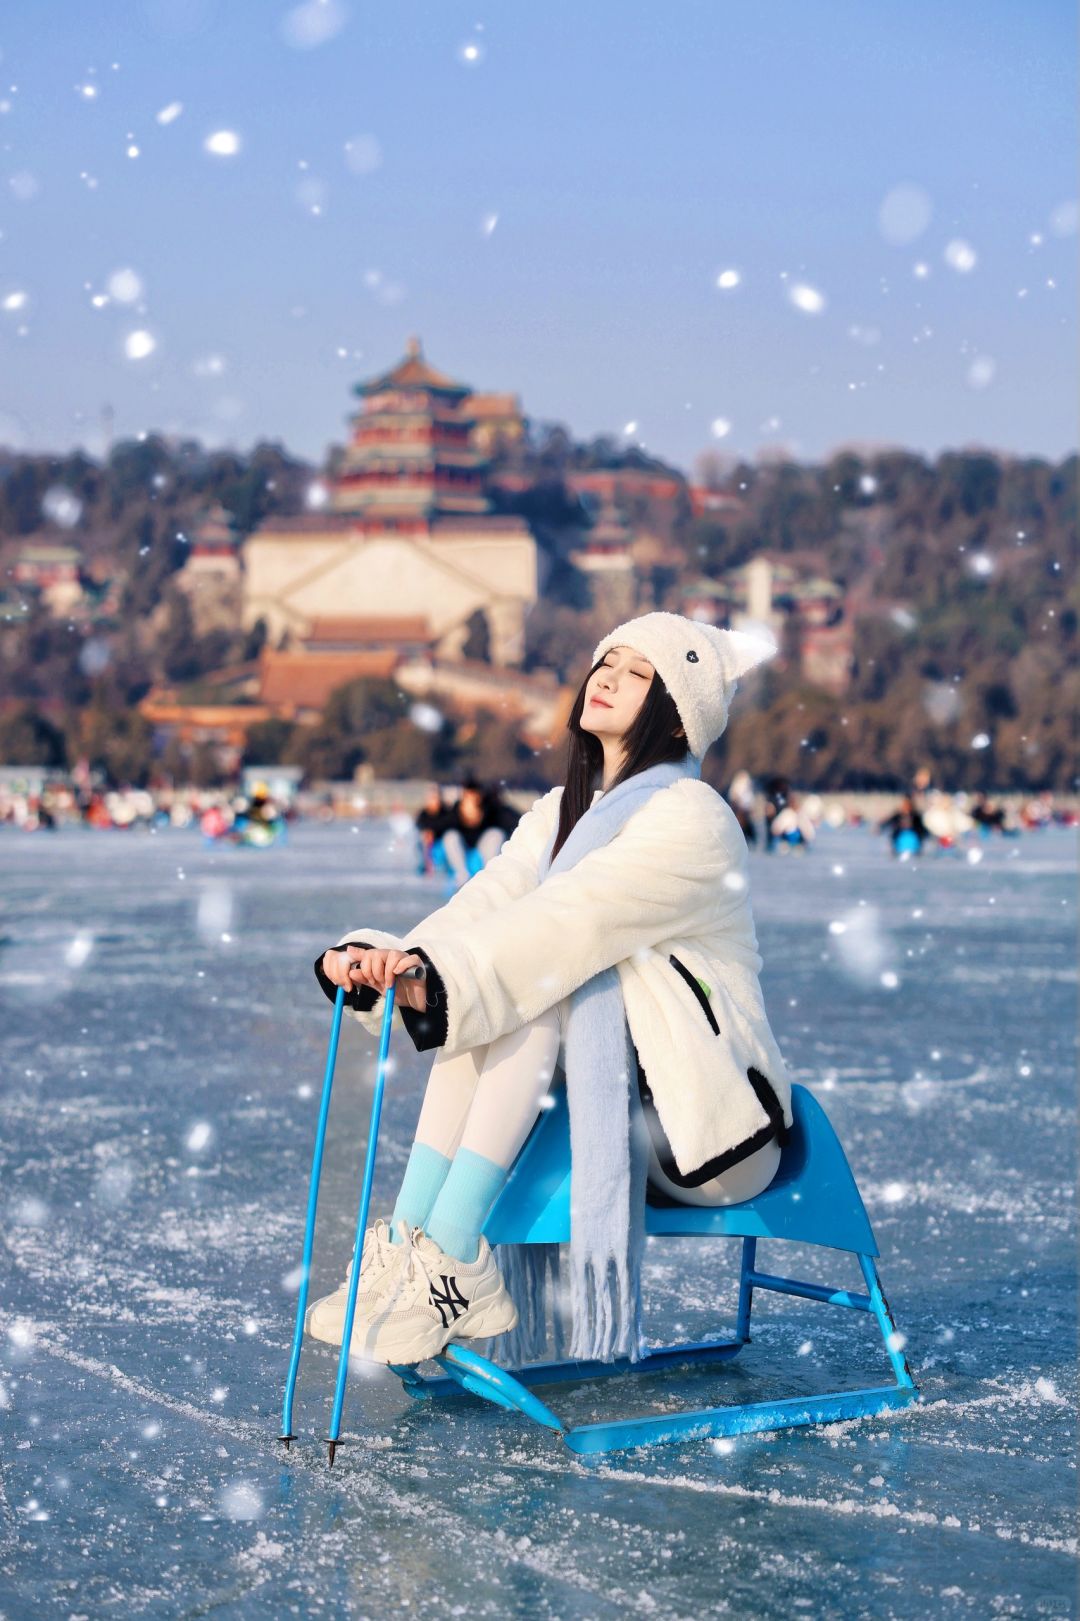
{"type": "Point", "coordinates": [145, 1312]}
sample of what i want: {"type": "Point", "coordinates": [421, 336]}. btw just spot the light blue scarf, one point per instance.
{"type": "Point", "coordinates": [608, 1155]}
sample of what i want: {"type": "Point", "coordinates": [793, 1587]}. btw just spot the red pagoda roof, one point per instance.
{"type": "Point", "coordinates": [413, 372]}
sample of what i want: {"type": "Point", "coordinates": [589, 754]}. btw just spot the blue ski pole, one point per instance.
{"type": "Point", "coordinates": [309, 1231]}
{"type": "Point", "coordinates": [362, 1214]}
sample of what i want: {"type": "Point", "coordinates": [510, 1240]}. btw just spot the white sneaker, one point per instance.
{"type": "Point", "coordinates": [325, 1320]}
{"type": "Point", "coordinates": [434, 1298]}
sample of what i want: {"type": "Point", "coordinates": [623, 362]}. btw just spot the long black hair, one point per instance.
{"type": "Point", "coordinates": [650, 740]}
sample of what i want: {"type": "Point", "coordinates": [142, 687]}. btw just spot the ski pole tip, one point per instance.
{"type": "Point", "coordinates": [332, 1448]}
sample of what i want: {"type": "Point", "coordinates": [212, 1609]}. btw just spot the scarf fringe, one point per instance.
{"type": "Point", "coordinates": [526, 1271]}
{"type": "Point", "coordinates": [609, 1325]}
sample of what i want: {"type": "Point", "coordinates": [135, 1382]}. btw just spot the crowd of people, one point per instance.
{"type": "Point", "coordinates": [457, 834]}
{"type": "Point", "coordinates": [925, 816]}
{"type": "Point", "coordinates": [250, 818]}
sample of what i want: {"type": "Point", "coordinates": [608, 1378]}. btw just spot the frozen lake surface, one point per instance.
{"type": "Point", "coordinates": [163, 1049]}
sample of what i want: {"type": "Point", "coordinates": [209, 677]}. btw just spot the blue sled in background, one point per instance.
{"type": "Point", "coordinates": [437, 863]}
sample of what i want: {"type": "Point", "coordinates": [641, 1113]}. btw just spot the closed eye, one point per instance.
{"type": "Point", "coordinates": [644, 675]}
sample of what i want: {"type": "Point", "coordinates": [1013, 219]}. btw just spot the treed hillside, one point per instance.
{"type": "Point", "coordinates": [960, 575]}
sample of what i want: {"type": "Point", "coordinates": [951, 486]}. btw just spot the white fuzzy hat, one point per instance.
{"type": "Point", "coordinates": [699, 664]}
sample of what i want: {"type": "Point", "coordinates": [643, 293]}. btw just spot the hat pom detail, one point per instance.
{"type": "Point", "coordinates": [741, 652]}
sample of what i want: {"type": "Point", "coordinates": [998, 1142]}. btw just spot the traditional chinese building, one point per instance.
{"type": "Point", "coordinates": [767, 594]}
{"type": "Point", "coordinates": [406, 532]}
{"type": "Point", "coordinates": [211, 577]}
{"type": "Point", "coordinates": [52, 570]}
{"type": "Point", "coordinates": [606, 555]}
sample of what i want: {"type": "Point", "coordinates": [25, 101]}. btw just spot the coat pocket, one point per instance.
{"type": "Point", "coordinates": [699, 994]}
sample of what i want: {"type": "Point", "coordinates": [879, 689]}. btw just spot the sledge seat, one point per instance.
{"type": "Point", "coordinates": [813, 1199]}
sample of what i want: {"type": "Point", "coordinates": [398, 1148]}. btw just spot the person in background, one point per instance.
{"type": "Point", "coordinates": [906, 828]}
{"type": "Point", "coordinates": [988, 817]}
{"type": "Point", "coordinates": [432, 820]}
{"type": "Point", "coordinates": [776, 800]}
{"type": "Point", "coordinates": [498, 815]}
{"type": "Point", "coordinates": [793, 826]}
{"type": "Point", "coordinates": [478, 827]}
{"type": "Point", "coordinates": [921, 784]}
{"type": "Point", "coordinates": [740, 796]}
{"type": "Point", "coordinates": [263, 808]}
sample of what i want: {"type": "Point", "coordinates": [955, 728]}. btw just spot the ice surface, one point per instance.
{"type": "Point", "coordinates": [159, 1099]}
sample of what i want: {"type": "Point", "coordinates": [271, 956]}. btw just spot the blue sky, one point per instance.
{"type": "Point", "coordinates": [547, 196]}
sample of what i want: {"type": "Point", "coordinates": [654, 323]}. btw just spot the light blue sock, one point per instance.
{"type": "Point", "coordinates": [465, 1198]}
{"type": "Point", "coordinates": [425, 1174]}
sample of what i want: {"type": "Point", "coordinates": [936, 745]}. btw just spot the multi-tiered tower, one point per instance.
{"type": "Point", "coordinates": [402, 532]}
{"type": "Point", "coordinates": [411, 455]}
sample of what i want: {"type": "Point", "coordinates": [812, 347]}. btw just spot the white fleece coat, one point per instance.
{"type": "Point", "coordinates": [673, 882]}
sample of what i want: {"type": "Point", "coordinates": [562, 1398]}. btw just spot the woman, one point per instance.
{"type": "Point", "coordinates": [615, 922]}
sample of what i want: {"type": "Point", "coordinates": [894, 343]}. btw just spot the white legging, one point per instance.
{"type": "Point", "coordinates": [487, 1100]}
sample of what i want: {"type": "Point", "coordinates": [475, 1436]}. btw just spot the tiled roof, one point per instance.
{"type": "Point", "coordinates": [298, 680]}
{"type": "Point", "coordinates": [414, 628]}
{"type": "Point", "coordinates": [495, 405]}
{"type": "Point", "coordinates": [481, 523]}
{"type": "Point", "coordinates": [412, 372]}
{"type": "Point", "coordinates": [307, 523]}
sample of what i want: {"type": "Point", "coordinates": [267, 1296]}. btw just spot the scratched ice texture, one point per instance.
{"type": "Point", "coordinates": [163, 1051]}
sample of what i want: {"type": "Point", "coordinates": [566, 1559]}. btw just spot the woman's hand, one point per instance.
{"type": "Point", "coordinates": [378, 970]}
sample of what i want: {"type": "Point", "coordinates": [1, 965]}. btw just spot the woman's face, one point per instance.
{"type": "Point", "coordinates": [615, 692]}
{"type": "Point", "coordinates": [471, 807]}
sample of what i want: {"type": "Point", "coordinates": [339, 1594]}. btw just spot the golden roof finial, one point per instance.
{"type": "Point", "coordinates": [413, 348]}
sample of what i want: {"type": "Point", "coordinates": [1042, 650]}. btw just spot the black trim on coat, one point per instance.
{"type": "Point", "coordinates": [681, 968]}
{"type": "Point", "coordinates": [712, 1167]}
{"type": "Point", "coordinates": [769, 1102]}
{"type": "Point", "coordinates": [763, 1091]}
{"type": "Point", "coordinates": [430, 1026]}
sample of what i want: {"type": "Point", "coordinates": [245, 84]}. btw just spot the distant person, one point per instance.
{"type": "Point", "coordinates": [478, 827]}
{"type": "Point", "coordinates": [741, 797]}
{"type": "Point", "coordinates": [258, 821]}
{"type": "Point", "coordinates": [906, 828]}
{"type": "Point", "coordinates": [946, 819]}
{"type": "Point", "coordinates": [793, 827]}
{"type": "Point", "coordinates": [263, 808]}
{"type": "Point", "coordinates": [776, 800]}
{"type": "Point", "coordinates": [498, 815]}
{"type": "Point", "coordinates": [41, 816]}
{"type": "Point", "coordinates": [921, 785]}
{"type": "Point", "coordinates": [432, 820]}
{"type": "Point", "coordinates": [988, 818]}
{"type": "Point", "coordinates": [1038, 812]}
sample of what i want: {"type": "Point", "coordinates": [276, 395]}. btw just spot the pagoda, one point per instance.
{"type": "Point", "coordinates": [400, 548]}
{"type": "Point", "coordinates": [410, 458]}
{"type": "Point", "coordinates": [607, 557]}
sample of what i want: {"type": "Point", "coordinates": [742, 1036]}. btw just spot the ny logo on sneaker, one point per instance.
{"type": "Point", "coordinates": [451, 1299]}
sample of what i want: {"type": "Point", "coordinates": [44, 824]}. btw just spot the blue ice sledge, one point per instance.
{"type": "Point", "coordinates": [813, 1199]}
